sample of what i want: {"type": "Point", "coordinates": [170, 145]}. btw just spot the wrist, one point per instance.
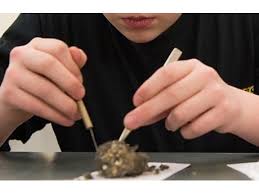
{"type": "Point", "coordinates": [10, 118]}
{"type": "Point", "coordinates": [247, 124]}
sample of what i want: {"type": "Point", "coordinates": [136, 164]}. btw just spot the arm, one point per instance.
{"type": "Point", "coordinates": [193, 97]}
{"type": "Point", "coordinates": [249, 124]}
{"type": "Point", "coordinates": [43, 78]}
{"type": "Point", "coordinates": [10, 120]}
{"type": "Point", "coordinates": [14, 36]}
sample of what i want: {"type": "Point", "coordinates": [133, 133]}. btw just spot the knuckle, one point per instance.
{"type": "Point", "coordinates": [46, 64]}
{"type": "Point", "coordinates": [167, 72]}
{"type": "Point", "coordinates": [194, 62]}
{"type": "Point", "coordinates": [172, 94]}
{"type": "Point", "coordinates": [147, 110]}
{"type": "Point", "coordinates": [12, 74]}
{"type": "Point", "coordinates": [36, 40]}
{"type": "Point", "coordinates": [16, 52]}
{"type": "Point", "coordinates": [60, 47]}
{"type": "Point", "coordinates": [209, 72]}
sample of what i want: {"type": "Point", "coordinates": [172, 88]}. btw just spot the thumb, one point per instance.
{"type": "Point", "coordinates": [78, 56]}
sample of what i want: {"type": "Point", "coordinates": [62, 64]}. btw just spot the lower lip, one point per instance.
{"type": "Point", "coordinates": [138, 23]}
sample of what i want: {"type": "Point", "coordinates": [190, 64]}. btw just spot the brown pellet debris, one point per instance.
{"type": "Point", "coordinates": [118, 159]}
{"type": "Point", "coordinates": [163, 167]}
{"type": "Point", "coordinates": [156, 171]}
{"type": "Point", "coordinates": [87, 176]}
{"type": "Point", "coordinates": [151, 168]}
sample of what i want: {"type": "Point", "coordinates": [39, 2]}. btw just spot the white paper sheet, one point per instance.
{"type": "Point", "coordinates": [250, 169]}
{"type": "Point", "coordinates": [173, 169]}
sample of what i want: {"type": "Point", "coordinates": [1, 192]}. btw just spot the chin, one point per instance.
{"type": "Point", "coordinates": [140, 38]}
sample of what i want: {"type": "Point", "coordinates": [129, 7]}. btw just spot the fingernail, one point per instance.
{"type": "Point", "coordinates": [83, 57]}
{"type": "Point", "coordinates": [80, 77]}
{"type": "Point", "coordinates": [78, 116]}
{"type": "Point", "coordinates": [131, 121]}
{"type": "Point", "coordinates": [173, 129]}
{"type": "Point", "coordinates": [82, 52]}
{"type": "Point", "coordinates": [69, 123]}
{"type": "Point", "coordinates": [170, 127]}
{"type": "Point", "coordinates": [137, 100]}
{"type": "Point", "coordinates": [82, 92]}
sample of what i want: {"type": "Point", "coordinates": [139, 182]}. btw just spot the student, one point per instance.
{"type": "Point", "coordinates": [205, 100]}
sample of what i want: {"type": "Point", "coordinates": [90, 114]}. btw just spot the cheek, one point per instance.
{"type": "Point", "coordinates": [167, 20]}
{"type": "Point", "coordinates": [114, 19]}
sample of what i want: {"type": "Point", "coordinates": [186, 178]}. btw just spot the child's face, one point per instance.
{"type": "Point", "coordinates": [142, 27]}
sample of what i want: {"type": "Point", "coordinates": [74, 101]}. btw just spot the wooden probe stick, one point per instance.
{"type": "Point", "coordinates": [87, 121]}
{"type": "Point", "coordinates": [174, 56]}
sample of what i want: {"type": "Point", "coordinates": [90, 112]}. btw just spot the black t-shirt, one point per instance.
{"type": "Point", "coordinates": [116, 67]}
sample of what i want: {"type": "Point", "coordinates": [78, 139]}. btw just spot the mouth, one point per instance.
{"type": "Point", "coordinates": [138, 22]}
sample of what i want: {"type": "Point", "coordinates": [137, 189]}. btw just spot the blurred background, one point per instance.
{"type": "Point", "coordinates": [43, 140]}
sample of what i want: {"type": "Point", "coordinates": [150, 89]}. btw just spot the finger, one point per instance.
{"type": "Point", "coordinates": [190, 109]}
{"type": "Point", "coordinates": [157, 118]}
{"type": "Point", "coordinates": [48, 92]}
{"type": "Point", "coordinates": [165, 100]}
{"type": "Point", "coordinates": [60, 51]}
{"type": "Point", "coordinates": [48, 66]}
{"type": "Point", "coordinates": [161, 79]}
{"type": "Point", "coordinates": [78, 56]}
{"type": "Point", "coordinates": [33, 105]}
{"type": "Point", "coordinates": [207, 122]}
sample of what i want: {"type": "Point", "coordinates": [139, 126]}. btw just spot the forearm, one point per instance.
{"type": "Point", "coordinates": [248, 128]}
{"type": "Point", "coordinates": [10, 120]}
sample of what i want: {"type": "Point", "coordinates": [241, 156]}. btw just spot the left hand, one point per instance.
{"type": "Point", "coordinates": [191, 96]}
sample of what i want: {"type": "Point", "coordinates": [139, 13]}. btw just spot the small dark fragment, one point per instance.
{"type": "Point", "coordinates": [163, 167]}
{"type": "Point", "coordinates": [151, 168]}
{"type": "Point", "coordinates": [118, 159]}
{"type": "Point", "coordinates": [87, 176]}
{"type": "Point", "coordinates": [156, 171]}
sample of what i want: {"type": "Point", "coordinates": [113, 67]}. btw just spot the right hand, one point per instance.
{"type": "Point", "coordinates": [44, 79]}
